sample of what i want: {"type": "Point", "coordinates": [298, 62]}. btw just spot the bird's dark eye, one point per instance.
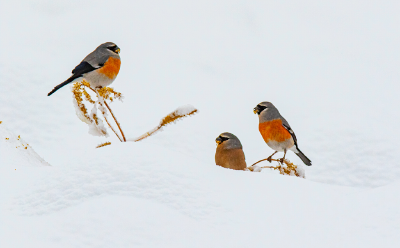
{"type": "Point", "coordinates": [113, 48]}
{"type": "Point", "coordinates": [223, 138]}
{"type": "Point", "coordinates": [258, 109]}
{"type": "Point", "coordinates": [261, 108]}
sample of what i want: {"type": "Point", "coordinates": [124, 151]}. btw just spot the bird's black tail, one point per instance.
{"type": "Point", "coordinates": [69, 80]}
{"type": "Point", "coordinates": [303, 157]}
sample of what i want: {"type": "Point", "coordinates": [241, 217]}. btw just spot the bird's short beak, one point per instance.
{"type": "Point", "coordinates": [218, 140]}
{"type": "Point", "coordinates": [118, 50]}
{"type": "Point", "coordinates": [255, 110]}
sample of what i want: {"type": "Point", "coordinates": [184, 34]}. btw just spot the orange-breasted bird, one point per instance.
{"type": "Point", "coordinates": [277, 132]}
{"type": "Point", "coordinates": [229, 153]}
{"type": "Point", "coordinates": [99, 68]}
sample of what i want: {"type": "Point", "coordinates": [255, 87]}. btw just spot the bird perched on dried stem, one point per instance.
{"type": "Point", "coordinates": [229, 153]}
{"type": "Point", "coordinates": [99, 68]}
{"type": "Point", "coordinates": [277, 132]}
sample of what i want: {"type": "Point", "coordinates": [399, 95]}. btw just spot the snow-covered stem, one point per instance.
{"type": "Point", "coordinates": [105, 118]}
{"type": "Point", "coordinates": [172, 117]}
{"type": "Point", "coordinates": [101, 102]}
{"type": "Point", "coordinates": [286, 168]}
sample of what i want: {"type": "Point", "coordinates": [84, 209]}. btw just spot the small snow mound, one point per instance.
{"type": "Point", "coordinates": [254, 168]}
{"type": "Point", "coordinates": [185, 110]}
{"type": "Point", "coordinates": [301, 171]}
{"type": "Point", "coordinates": [15, 151]}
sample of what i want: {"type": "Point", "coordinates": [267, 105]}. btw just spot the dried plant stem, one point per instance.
{"type": "Point", "coordinates": [105, 118]}
{"type": "Point", "coordinates": [268, 166]}
{"type": "Point", "coordinates": [259, 161]}
{"type": "Point", "coordinates": [104, 144]}
{"type": "Point", "coordinates": [115, 119]}
{"type": "Point", "coordinates": [277, 160]}
{"type": "Point", "coordinates": [170, 118]}
{"type": "Point", "coordinates": [290, 168]}
{"type": "Point", "coordinates": [112, 114]}
{"type": "Point", "coordinates": [147, 134]}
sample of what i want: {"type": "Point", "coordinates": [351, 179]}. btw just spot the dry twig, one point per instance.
{"type": "Point", "coordinates": [288, 169]}
{"type": "Point", "coordinates": [170, 118]}
{"type": "Point", "coordinates": [104, 144]}
{"type": "Point", "coordinates": [102, 94]}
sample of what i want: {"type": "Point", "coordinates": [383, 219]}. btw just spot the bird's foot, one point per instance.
{"type": "Point", "coordinates": [269, 159]}
{"type": "Point", "coordinates": [281, 160]}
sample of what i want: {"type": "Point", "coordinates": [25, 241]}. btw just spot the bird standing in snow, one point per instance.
{"type": "Point", "coordinates": [229, 152]}
{"type": "Point", "coordinates": [277, 132]}
{"type": "Point", "coordinates": [99, 68]}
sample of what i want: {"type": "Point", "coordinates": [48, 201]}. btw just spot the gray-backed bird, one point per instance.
{"type": "Point", "coordinates": [99, 68]}
{"type": "Point", "coordinates": [229, 153]}
{"type": "Point", "coordinates": [277, 132]}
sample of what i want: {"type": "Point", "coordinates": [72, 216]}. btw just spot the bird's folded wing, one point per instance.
{"type": "Point", "coordinates": [82, 68]}
{"type": "Point", "coordinates": [287, 127]}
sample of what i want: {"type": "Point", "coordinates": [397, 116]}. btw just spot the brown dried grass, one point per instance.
{"type": "Point", "coordinates": [170, 118]}
{"type": "Point", "coordinates": [106, 93]}
{"type": "Point", "coordinates": [104, 144]}
{"type": "Point", "coordinates": [290, 168]}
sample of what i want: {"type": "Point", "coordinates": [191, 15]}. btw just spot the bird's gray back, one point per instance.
{"type": "Point", "coordinates": [100, 55]}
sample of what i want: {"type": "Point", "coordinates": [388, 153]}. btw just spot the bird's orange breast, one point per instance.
{"type": "Point", "coordinates": [273, 131]}
{"type": "Point", "coordinates": [111, 67]}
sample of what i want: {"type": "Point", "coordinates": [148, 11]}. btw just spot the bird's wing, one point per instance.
{"type": "Point", "coordinates": [287, 127]}
{"type": "Point", "coordinates": [82, 68]}
{"type": "Point", "coordinates": [93, 61]}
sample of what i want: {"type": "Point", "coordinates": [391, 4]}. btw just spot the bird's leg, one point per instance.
{"type": "Point", "coordinates": [269, 159]}
{"type": "Point", "coordinates": [282, 159]}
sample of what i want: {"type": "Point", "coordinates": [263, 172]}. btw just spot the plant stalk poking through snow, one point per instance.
{"type": "Point", "coordinates": [179, 113]}
{"type": "Point", "coordinates": [288, 168]}
{"type": "Point", "coordinates": [104, 144]}
{"type": "Point", "coordinates": [96, 126]}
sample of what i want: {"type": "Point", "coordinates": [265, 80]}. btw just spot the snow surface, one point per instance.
{"type": "Point", "coordinates": [330, 67]}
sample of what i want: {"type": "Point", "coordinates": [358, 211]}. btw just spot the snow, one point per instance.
{"type": "Point", "coordinates": [147, 202]}
{"type": "Point", "coordinates": [185, 109]}
{"type": "Point", "coordinates": [331, 68]}
{"type": "Point", "coordinates": [97, 129]}
{"type": "Point", "coordinates": [81, 115]}
{"type": "Point", "coordinates": [22, 152]}
{"type": "Point", "coordinates": [255, 168]}
{"type": "Point", "coordinates": [301, 171]}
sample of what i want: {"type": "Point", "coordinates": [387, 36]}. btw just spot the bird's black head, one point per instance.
{"type": "Point", "coordinates": [258, 109]}
{"type": "Point", "coordinates": [221, 139]}
{"type": "Point", "coordinates": [114, 48]}
{"type": "Point", "coordinates": [261, 106]}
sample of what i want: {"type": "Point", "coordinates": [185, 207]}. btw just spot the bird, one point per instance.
{"type": "Point", "coordinates": [277, 132]}
{"type": "Point", "coordinates": [229, 153]}
{"type": "Point", "coordinates": [99, 68]}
